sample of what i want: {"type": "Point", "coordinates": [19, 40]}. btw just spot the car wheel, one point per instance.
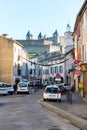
{"type": "Point", "coordinates": [44, 99]}
{"type": "Point", "coordinates": [27, 92]}
{"type": "Point", "coordinates": [59, 100]}
{"type": "Point", "coordinates": [11, 93]}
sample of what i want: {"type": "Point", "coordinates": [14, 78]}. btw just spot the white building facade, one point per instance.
{"type": "Point", "coordinates": [20, 62]}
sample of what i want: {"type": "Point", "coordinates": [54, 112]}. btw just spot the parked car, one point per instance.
{"type": "Point", "coordinates": [3, 88]}
{"type": "Point", "coordinates": [31, 87]}
{"type": "Point", "coordinates": [22, 87]}
{"type": "Point", "coordinates": [52, 92]}
{"type": "Point", "coordinates": [10, 89]}
{"type": "Point", "coordinates": [66, 87]}
{"type": "Point", "coordinates": [61, 86]}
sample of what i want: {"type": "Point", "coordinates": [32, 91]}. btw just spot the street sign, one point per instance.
{"type": "Point", "coordinates": [58, 75]}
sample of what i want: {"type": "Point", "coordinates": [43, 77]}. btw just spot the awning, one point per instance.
{"type": "Point", "coordinates": [77, 72]}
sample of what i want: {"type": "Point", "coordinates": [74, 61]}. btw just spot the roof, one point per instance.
{"type": "Point", "coordinates": [80, 13]}
{"type": "Point", "coordinates": [8, 38]}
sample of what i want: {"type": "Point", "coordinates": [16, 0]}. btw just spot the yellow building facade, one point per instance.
{"type": "Point", "coordinates": [9, 59]}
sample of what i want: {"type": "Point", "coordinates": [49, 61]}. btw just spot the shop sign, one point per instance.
{"type": "Point", "coordinates": [57, 79]}
{"type": "Point", "coordinates": [58, 75]}
{"type": "Point", "coordinates": [80, 85]}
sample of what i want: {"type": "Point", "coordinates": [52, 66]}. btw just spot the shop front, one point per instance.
{"type": "Point", "coordinates": [83, 67]}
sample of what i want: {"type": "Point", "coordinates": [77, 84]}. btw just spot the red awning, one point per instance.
{"type": "Point", "coordinates": [77, 72]}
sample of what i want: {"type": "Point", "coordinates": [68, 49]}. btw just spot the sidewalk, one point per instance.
{"type": "Point", "coordinates": [78, 106]}
{"type": "Point", "coordinates": [76, 112]}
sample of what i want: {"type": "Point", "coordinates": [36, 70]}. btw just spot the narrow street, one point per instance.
{"type": "Point", "coordinates": [23, 112]}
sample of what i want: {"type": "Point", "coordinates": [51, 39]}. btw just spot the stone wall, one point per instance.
{"type": "Point", "coordinates": [39, 46]}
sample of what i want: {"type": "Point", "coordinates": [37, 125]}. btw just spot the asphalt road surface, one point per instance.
{"type": "Point", "coordinates": [23, 112]}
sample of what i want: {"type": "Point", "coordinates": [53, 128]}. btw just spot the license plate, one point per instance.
{"type": "Point", "coordinates": [2, 89]}
{"type": "Point", "coordinates": [22, 89]}
{"type": "Point", "coordinates": [52, 95]}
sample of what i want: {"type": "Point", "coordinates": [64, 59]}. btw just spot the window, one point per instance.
{"type": "Point", "coordinates": [46, 71]}
{"type": "Point", "coordinates": [43, 72]}
{"type": "Point", "coordinates": [18, 51]}
{"type": "Point", "coordinates": [19, 69]}
{"type": "Point", "coordinates": [56, 69]}
{"type": "Point", "coordinates": [84, 22]}
{"type": "Point", "coordinates": [18, 57]}
{"type": "Point", "coordinates": [52, 70]}
{"type": "Point", "coordinates": [61, 69]}
{"type": "Point", "coordinates": [83, 52]}
{"type": "Point", "coordinates": [15, 49]}
{"type": "Point", "coordinates": [30, 71]}
{"type": "Point", "coordinates": [35, 71]}
{"type": "Point", "coordinates": [39, 72]}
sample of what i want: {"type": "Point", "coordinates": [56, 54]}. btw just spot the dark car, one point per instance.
{"type": "Point", "coordinates": [64, 87]}
{"type": "Point", "coordinates": [61, 86]}
{"type": "Point", "coordinates": [67, 87]}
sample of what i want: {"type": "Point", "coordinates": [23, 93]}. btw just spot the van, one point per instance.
{"type": "Point", "coordinates": [3, 88]}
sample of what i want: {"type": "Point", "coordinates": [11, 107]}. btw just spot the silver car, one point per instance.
{"type": "Point", "coordinates": [22, 87]}
{"type": "Point", "coordinates": [3, 88]}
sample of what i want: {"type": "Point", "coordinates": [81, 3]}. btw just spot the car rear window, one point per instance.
{"type": "Point", "coordinates": [67, 84]}
{"type": "Point", "coordinates": [52, 90]}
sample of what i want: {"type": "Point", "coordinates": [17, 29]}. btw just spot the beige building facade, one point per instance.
{"type": "Point", "coordinates": [11, 60]}
{"type": "Point", "coordinates": [80, 42]}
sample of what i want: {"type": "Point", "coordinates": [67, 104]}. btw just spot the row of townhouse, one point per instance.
{"type": "Point", "coordinates": [53, 67]}
{"type": "Point", "coordinates": [80, 43]}
{"type": "Point", "coordinates": [13, 60]}
{"type": "Point", "coordinates": [73, 65]}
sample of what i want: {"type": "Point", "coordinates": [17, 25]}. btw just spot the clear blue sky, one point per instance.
{"type": "Point", "coordinates": [19, 16]}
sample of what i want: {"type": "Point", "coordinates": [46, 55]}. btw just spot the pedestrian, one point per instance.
{"type": "Point", "coordinates": [15, 88]}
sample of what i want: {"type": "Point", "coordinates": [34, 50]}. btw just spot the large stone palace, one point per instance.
{"type": "Point", "coordinates": [42, 44]}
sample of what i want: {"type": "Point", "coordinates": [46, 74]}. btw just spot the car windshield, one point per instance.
{"type": "Point", "coordinates": [3, 85]}
{"type": "Point", "coordinates": [52, 90]}
{"type": "Point", "coordinates": [22, 85]}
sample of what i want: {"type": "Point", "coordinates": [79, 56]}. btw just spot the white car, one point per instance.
{"type": "Point", "coordinates": [22, 87]}
{"type": "Point", "coordinates": [3, 88]}
{"type": "Point", "coordinates": [10, 89]}
{"type": "Point", "coordinates": [52, 92]}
